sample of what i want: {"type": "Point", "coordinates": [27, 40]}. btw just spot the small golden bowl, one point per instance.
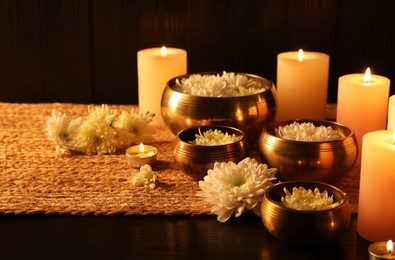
{"type": "Point", "coordinates": [326, 161]}
{"type": "Point", "coordinates": [248, 113]}
{"type": "Point", "coordinates": [195, 160]}
{"type": "Point", "coordinates": [305, 226]}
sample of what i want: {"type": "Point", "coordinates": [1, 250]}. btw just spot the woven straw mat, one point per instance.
{"type": "Point", "coordinates": [33, 180]}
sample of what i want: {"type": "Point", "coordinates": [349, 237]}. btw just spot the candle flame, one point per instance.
{"type": "Point", "coordinates": [141, 150]}
{"type": "Point", "coordinates": [300, 55]}
{"type": "Point", "coordinates": [390, 247]}
{"type": "Point", "coordinates": [366, 78]}
{"type": "Point", "coordinates": [163, 51]}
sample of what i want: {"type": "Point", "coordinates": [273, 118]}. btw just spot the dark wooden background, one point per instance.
{"type": "Point", "coordinates": [85, 50]}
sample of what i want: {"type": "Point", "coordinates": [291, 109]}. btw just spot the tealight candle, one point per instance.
{"type": "Point", "coordinates": [362, 103]}
{"type": "Point", "coordinates": [139, 155]}
{"type": "Point", "coordinates": [376, 207]}
{"type": "Point", "coordinates": [302, 85]}
{"type": "Point", "coordinates": [155, 67]}
{"type": "Point", "coordinates": [381, 250]}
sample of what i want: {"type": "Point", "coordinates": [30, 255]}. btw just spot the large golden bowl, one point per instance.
{"type": "Point", "coordinates": [248, 113]}
{"type": "Point", "coordinates": [326, 161]}
{"type": "Point", "coordinates": [196, 160]}
{"type": "Point", "coordinates": [300, 227]}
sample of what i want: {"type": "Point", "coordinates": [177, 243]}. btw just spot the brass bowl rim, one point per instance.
{"type": "Point", "coordinates": [319, 185]}
{"type": "Point", "coordinates": [270, 130]}
{"type": "Point", "coordinates": [171, 84]}
{"type": "Point", "coordinates": [219, 127]}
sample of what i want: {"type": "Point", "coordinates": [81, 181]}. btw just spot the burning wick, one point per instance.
{"type": "Point", "coordinates": [366, 78]}
{"type": "Point", "coordinates": [163, 51]}
{"type": "Point", "coordinates": [300, 55]}
{"type": "Point", "coordinates": [390, 247]}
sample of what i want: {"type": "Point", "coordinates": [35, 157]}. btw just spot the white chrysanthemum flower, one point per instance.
{"type": "Point", "coordinates": [225, 85]}
{"type": "Point", "coordinates": [96, 133]}
{"type": "Point", "coordinates": [61, 131]}
{"type": "Point", "coordinates": [145, 177]}
{"type": "Point", "coordinates": [232, 187]}
{"type": "Point", "coordinates": [241, 85]}
{"type": "Point", "coordinates": [307, 132]}
{"type": "Point", "coordinates": [302, 199]}
{"type": "Point", "coordinates": [100, 132]}
{"type": "Point", "coordinates": [133, 127]}
{"type": "Point", "coordinates": [216, 137]}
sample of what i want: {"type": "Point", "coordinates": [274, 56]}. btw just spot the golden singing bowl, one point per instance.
{"type": "Point", "coordinates": [326, 161]}
{"type": "Point", "coordinates": [196, 160]}
{"type": "Point", "coordinates": [304, 226]}
{"type": "Point", "coordinates": [248, 113]}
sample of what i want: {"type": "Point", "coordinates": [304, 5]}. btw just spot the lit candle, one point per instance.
{"type": "Point", "coordinates": [155, 67]}
{"type": "Point", "coordinates": [302, 85]}
{"type": "Point", "coordinates": [362, 103]}
{"type": "Point", "coordinates": [391, 113]}
{"type": "Point", "coordinates": [376, 208]}
{"type": "Point", "coordinates": [381, 250]}
{"type": "Point", "coordinates": [139, 155]}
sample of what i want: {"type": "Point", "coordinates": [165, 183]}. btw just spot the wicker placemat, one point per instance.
{"type": "Point", "coordinates": [350, 185]}
{"type": "Point", "coordinates": [34, 181]}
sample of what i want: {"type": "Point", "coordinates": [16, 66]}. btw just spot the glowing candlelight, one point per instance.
{"type": "Point", "coordinates": [163, 51]}
{"type": "Point", "coordinates": [300, 55]}
{"type": "Point", "coordinates": [366, 78]}
{"type": "Point", "coordinates": [156, 66]}
{"type": "Point", "coordinates": [302, 85]}
{"type": "Point", "coordinates": [139, 155]}
{"type": "Point", "coordinates": [362, 103]}
{"type": "Point", "coordinates": [381, 250]}
{"type": "Point", "coordinates": [390, 247]}
{"type": "Point", "coordinates": [141, 148]}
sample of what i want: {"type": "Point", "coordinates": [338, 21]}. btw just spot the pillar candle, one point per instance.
{"type": "Point", "coordinates": [362, 104]}
{"type": "Point", "coordinates": [391, 113]}
{"type": "Point", "coordinates": [302, 85]}
{"type": "Point", "coordinates": [155, 67]}
{"type": "Point", "coordinates": [376, 209]}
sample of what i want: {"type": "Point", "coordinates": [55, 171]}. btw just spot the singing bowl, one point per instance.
{"type": "Point", "coordinates": [326, 161]}
{"type": "Point", "coordinates": [196, 160]}
{"type": "Point", "coordinates": [248, 113]}
{"type": "Point", "coordinates": [301, 227]}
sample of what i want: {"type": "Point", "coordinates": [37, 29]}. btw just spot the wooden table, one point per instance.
{"type": "Point", "coordinates": [158, 237]}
